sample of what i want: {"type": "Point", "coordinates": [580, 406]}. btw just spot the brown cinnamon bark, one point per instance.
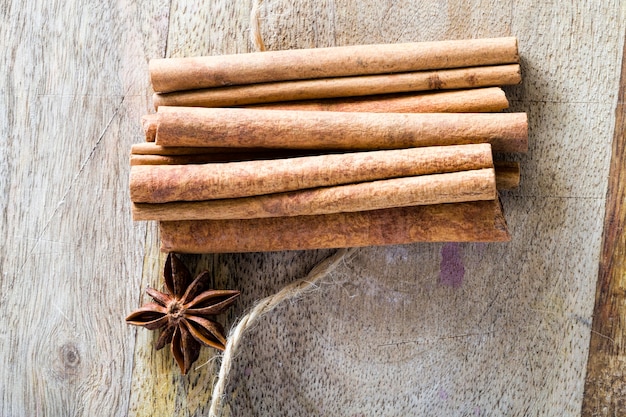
{"type": "Point", "coordinates": [480, 221]}
{"type": "Point", "coordinates": [207, 158]}
{"type": "Point", "coordinates": [172, 74]}
{"type": "Point", "coordinates": [454, 187]}
{"type": "Point", "coordinates": [479, 100]}
{"type": "Point", "coordinates": [179, 156]}
{"type": "Point", "coordinates": [150, 148]}
{"type": "Point", "coordinates": [191, 155]}
{"type": "Point", "coordinates": [166, 183]}
{"type": "Point", "coordinates": [191, 159]}
{"type": "Point", "coordinates": [218, 127]}
{"type": "Point", "coordinates": [507, 175]}
{"type": "Point", "coordinates": [149, 123]}
{"type": "Point", "coordinates": [363, 85]}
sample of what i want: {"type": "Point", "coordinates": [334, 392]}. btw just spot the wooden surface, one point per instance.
{"type": "Point", "coordinates": [605, 387]}
{"type": "Point", "coordinates": [424, 329]}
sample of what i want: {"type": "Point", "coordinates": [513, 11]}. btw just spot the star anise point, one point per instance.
{"type": "Point", "coordinates": [184, 313]}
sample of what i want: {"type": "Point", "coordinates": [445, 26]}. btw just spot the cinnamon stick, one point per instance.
{"type": "Point", "coordinates": [166, 183]}
{"type": "Point", "coordinates": [451, 187]}
{"type": "Point", "coordinates": [462, 101]}
{"type": "Point", "coordinates": [479, 221]}
{"type": "Point", "coordinates": [144, 154]}
{"type": "Point", "coordinates": [507, 175]}
{"type": "Point", "coordinates": [203, 158]}
{"type": "Point", "coordinates": [172, 74]}
{"type": "Point", "coordinates": [207, 158]}
{"type": "Point", "coordinates": [150, 148]}
{"type": "Point", "coordinates": [192, 155]}
{"type": "Point", "coordinates": [363, 85]}
{"type": "Point", "coordinates": [479, 100]}
{"type": "Point", "coordinates": [149, 123]}
{"type": "Point", "coordinates": [215, 127]}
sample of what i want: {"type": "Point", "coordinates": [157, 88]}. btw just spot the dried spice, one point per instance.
{"type": "Point", "coordinates": [184, 316]}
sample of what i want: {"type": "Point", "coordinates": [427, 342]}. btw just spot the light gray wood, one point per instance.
{"type": "Point", "coordinates": [388, 332]}
{"type": "Point", "coordinates": [72, 87]}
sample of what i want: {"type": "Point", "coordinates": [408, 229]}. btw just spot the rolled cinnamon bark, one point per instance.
{"type": "Point", "coordinates": [454, 187]}
{"type": "Point", "coordinates": [479, 221]}
{"type": "Point", "coordinates": [218, 127]}
{"type": "Point", "coordinates": [479, 100]}
{"type": "Point", "coordinates": [172, 74]}
{"type": "Point", "coordinates": [207, 158]}
{"type": "Point", "coordinates": [507, 175]}
{"type": "Point", "coordinates": [167, 183]}
{"type": "Point", "coordinates": [462, 101]}
{"type": "Point", "coordinates": [191, 155]}
{"type": "Point", "coordinates": [151, 154]}
{"type": "Point", "coordinates": [150, 148]}
{"type": "Point", "coordinates": [363, 85]}
{"type": "Point", "coordinates": [203, 158]}
{"type": "Point", "coordinates": [149, 123]}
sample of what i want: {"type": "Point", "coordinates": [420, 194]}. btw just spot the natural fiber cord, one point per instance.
{"type": "Point", "coordinates": [263, 307]}
{"type": "Point", "coordinates": [255, 26]}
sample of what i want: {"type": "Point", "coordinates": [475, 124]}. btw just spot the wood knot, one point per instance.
{"type": "Point", "coordinates": [70, 357]}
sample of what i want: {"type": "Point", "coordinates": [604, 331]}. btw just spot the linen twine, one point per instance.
{"type": "Point", "coordinates": [263, 307]}
{"type": "Point", "coordinates": [255, 26]}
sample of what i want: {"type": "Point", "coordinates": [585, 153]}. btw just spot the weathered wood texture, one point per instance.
{"type": "Point", "coordinates": [424, 329]}
{"type": "Point", "coordinates": [605, 384]}
{"type": "Point", "coordinates": [73, 85]}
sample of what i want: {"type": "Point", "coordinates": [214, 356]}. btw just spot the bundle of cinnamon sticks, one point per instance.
{"type": "Point", "coordinates": [330, 147]}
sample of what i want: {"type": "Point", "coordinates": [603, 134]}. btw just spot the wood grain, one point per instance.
{"type": "Point", "coordinates": [605, 393]}
{"type": "Point", "coordinates": [72, 87]}
{"type": "Point", "coordinates": [423, 329]}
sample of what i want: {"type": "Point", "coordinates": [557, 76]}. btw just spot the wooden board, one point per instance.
{"type": "Point", "coordinates": [605, 393]}
{"type": "Point", "coordinates": [72, 88]}
{"type": "Point", "coordinates": [424, 329]}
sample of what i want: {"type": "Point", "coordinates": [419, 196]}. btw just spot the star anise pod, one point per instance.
{"type": "Point", "coordinates": [184, 314]}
